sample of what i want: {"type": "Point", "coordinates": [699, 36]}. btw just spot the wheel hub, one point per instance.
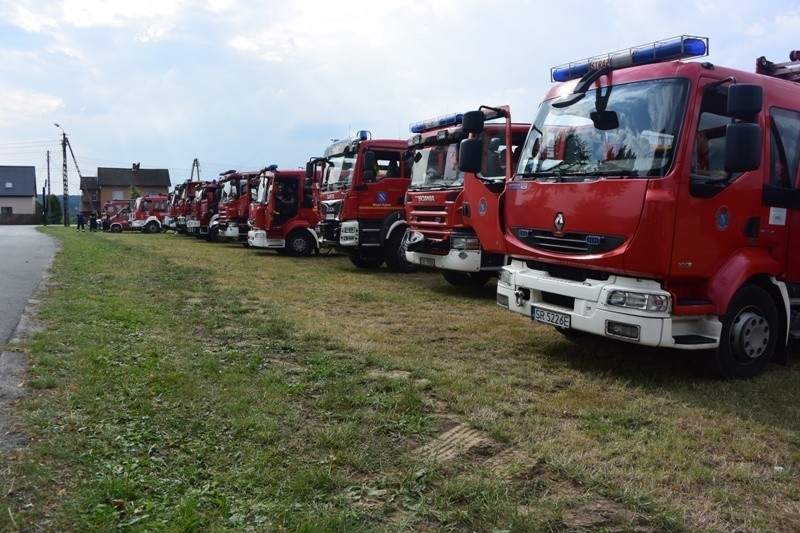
{"type": "Point", "coordinates": [749, 336]}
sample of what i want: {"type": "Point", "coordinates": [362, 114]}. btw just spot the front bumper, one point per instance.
{"type": "Point", "coordinates": [521, 289]}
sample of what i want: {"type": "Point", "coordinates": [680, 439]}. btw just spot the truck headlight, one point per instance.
{"type": "Point", "coordinates": [656, 303]}
{"type": "Point", "coordinates": [505, 277]}
{"type": "Point", "coordinates": [465, 243]}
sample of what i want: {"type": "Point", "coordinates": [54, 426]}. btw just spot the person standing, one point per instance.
{"type": "Point", "coordinates": [93, 221]}
{"type": "Point", "coordinates": [80, 222]}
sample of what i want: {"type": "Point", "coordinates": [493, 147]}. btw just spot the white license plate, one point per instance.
{"type": "Point", "coordinates": [427, 262]}
{"type": "Point", "coordinates": [329, 216]}
{"type": "Point", "coordinates": [549, 317]}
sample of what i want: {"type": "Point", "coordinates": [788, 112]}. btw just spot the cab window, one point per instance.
{"type": "Point", "coordinates": [784, 147]}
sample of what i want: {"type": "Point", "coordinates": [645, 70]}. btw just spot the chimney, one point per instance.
{"type": "Point", "coordinates": [135, 167]}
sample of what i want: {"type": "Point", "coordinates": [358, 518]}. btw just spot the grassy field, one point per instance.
{"type": "Point", "coordinates": [186, 386]}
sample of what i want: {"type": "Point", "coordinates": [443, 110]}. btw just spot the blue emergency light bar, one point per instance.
{"type": "Point", "coordinates": [657, 52]}
{"type": "Point", "coordinates": [438, 122]}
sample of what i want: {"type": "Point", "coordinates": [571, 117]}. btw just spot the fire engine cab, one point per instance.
{"type": "Point", "coordinates": [180, 205]}
{"type": "Point", "coordinates": [147, 213]}
{"type": "Point", "coordinates": [657, 201]}
{"type": "Point", "coordinates": [438, 235]}
{"type": "Point", "coordinates": [283, 213]}
{"type": "Point", "coordinates": [361, 196]}
{"type": "Point", "coordinates": [233, 207]}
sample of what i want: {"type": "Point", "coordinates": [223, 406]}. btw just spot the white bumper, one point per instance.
{"type": "Point", "coordinates": [585, 303]}
{"type": "Point", "coordinates": [258, 239]}
{"type": "Point", "coordinates": [231, 231]}
{"type": "Point", "coordinates": [459, 260]}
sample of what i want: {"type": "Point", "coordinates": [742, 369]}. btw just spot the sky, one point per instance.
{"type": "Point", "coordinates": [243, 84]}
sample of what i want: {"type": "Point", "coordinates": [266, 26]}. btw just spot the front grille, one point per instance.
{"type": "Point", "coordinates": [570, 243]}
{"type": "Point", "coordinates": [567, 272]}
{"type": "Point", "coordinates": [566, 302]}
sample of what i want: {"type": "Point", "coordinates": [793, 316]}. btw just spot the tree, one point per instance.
{"type": "Point", "coordinates": [54, 210]}
{"type": "Point", "coordinates": [134, 192]}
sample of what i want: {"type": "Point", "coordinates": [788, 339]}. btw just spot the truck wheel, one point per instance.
{"type": "Point", "coordinates": [213, 234]}
{"type": "Point", "coordinates": [366, 262]}
{"type": "Point", "coordinates": [749, 335]}
{"type": "Point", "coordinates": [466, 279]}
{"type": "Point", "coordinates": [115, 228]}
{"type": "Point", "coordinates": [152, 227]}
{"type": "Point", "coordinates": [395, 254]}
{"type": "Point", "coordinates": [299, 243]}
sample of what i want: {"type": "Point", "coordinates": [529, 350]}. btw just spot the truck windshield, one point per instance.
{"type": "Point", "coordinates": [338, 172]}
{"type": "Point", "coordinates": [261, 195]}
{"type": "Point", "coordinates": [436, 167]}
{"type": "Point", "coordinates": [626, 130]}
{"type": "Point", "coordinates": [230, 190]}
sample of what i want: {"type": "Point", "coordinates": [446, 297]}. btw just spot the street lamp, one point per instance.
{"type": "Point", "coordinates": [64, 173]}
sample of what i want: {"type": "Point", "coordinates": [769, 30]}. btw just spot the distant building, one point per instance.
{"type": "Point", "coordinates": [116, 183]}
{"type": "Point", "coordinates": [18, 203]}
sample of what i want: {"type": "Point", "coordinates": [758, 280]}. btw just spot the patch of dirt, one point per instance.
{"type": "Point", "coordinates": [459, 440]}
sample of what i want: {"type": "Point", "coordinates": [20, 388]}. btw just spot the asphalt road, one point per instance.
{"type": "Point", "coordinates": [25, 255]}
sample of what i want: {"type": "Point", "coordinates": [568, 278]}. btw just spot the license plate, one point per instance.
{"type": "Point", "coordinates": [427, 262]}
{"type": "Point", "coordinates": [329, 216]}
{"type": "Point", "coordinates": [549, 317]}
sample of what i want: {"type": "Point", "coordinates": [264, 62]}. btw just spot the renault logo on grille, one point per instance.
{"type": "Point", "coordinates": [559, 222]}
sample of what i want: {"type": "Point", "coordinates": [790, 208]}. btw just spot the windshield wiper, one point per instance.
{"type": "Point", "coordinates": [617, 172]}
{"type": "Point", "coordinates": [556, 170]}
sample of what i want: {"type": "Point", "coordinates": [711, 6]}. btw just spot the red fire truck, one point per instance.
{"type": "Point", "coordinates": [112, 209]}
{"type": "Point", "coordinates": [362, 191]}
{"type": "Point", "coordinates": [119, 221]}
{"type": "Point", "coordinates": [147, 213]}
{"type": "Point", "coordinates": [656, 201]}
{"type": "Point", "coordinates": [437, 235]}
{"type": "Point", "coordinates": [181, 205]}
{"type": "Point", "coordinates": [203, 209]}
{"type": "Point", "coordinates": [284, 214]}
{"type": "Point", "coordinates": [233, 207]}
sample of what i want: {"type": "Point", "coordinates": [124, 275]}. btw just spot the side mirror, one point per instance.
{"type": "Point", "coordinates": [605, 120]}
{"type": "Point", "coordinates": [309, 170]}
{"type": "Point", "coordinates": [745, 101]}
{"type": "Point", "coordinates": [368, 166]}
{"type": "Point", "coordinates": [742, 147]}
{"type": "Point", "coordinates": [470, 155]}
{"type": "Point", "coordinates": [368, 160]}
{"type": "Point", "coordinates": [472, 122]}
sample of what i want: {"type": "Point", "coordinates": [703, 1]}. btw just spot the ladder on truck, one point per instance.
{"type": "Point", "coordinates": [789, 70]}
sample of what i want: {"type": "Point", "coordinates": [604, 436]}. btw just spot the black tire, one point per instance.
{"type": "Point", "coordinates": [213, 234]}
{"type": "Point", "coordinates": [115, 228]}
{"type": "Point", "coordinates": [366, 262]}
{"type": "Point", "coordinates": [299, 243]}
{"type": "Point", "coordinates": [749, 335]}
{"type": "Point", "coordinates": [466, 279]}
{"type": "Point", "coordinates": [152, 227]}
{"type": "Point", "coordinates": [395, 254]}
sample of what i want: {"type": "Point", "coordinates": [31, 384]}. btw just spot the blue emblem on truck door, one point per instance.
{"type": "Point", "coordinates": [382, 197]}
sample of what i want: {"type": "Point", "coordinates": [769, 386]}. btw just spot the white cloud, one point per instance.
{"type": "Point", "coordinates": [19, 105]}
{"type": "Point", "coordinates": [87, 13]}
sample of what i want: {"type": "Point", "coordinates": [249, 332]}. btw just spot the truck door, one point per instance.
{"type": "Point", "coordinates": [782, 193]}
{"type": "Point", "coordinates": [719, 214]}
{"type": "Point", "coordinates": [483, 197]}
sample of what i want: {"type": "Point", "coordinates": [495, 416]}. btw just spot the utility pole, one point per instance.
{"type": "Point", "coordinates": [64, 173]}
{"type": "Point", "coordinates": [46, 194]}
